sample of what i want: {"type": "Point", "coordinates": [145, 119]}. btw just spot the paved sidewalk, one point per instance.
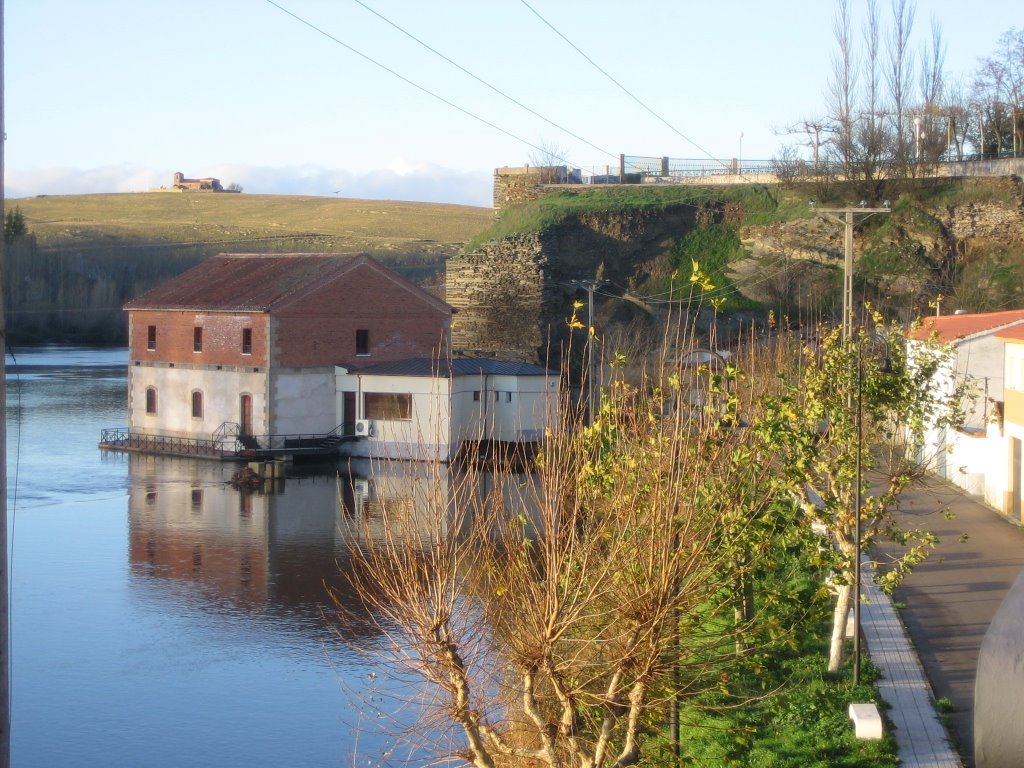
{"type": "Point", "coordinates": [951, 597]}
{"type": "Point", "coordinates": [920, 736]}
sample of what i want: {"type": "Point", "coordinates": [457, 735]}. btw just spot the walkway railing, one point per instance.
{"type": "Point", "coordinates": [226, 443]}
{"type": "Point", "coordinates": [123, 439]}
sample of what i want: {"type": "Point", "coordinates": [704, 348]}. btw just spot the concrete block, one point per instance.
{"type": "Point", "coordinates": [867, 721]}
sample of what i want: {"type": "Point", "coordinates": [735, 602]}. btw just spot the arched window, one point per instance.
{"type": "Point", "coordinates": [197, 405]}
{"type": "Point", "coordinates": [150, 399]}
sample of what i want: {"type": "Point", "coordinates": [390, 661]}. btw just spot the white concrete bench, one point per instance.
{"type": "Point", "coordinates": [867, 722]}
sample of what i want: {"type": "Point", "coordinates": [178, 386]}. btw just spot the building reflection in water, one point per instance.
{"type": "Point", "coordinates": [277, 551]}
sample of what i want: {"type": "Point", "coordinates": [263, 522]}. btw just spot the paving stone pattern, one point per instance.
{"type": "Point", "coordinates": [920, 735]}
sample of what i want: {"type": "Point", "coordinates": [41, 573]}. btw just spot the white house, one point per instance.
{"type": "Point", "coordinates": [426, 409]}
{"type": "Point", "coordinates": [971, 456]}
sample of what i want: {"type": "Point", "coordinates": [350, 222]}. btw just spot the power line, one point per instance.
{"type": "Point", "coordinates": [484, 82]}
{"type": "Point", "coordinates": [401, 77]}
{"type": "Point", "coordinates": [623, 88]}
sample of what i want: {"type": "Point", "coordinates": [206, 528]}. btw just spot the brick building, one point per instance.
{"type": "Point", "coordinates": [253, 341]}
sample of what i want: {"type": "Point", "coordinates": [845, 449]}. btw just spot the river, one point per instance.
{"type": "Point", "coordinates": [160, 617]}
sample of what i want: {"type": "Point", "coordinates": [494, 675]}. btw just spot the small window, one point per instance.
{"type": "Point", "coordinates": [247, 341]}
{"type": "Point", "coordinates": [508, 397]}
{"type": "Point", "coordinates": [476, 396]}
{"type": "Point", "coordinates": [197, 339]}
{"type": "Point", "coordinates": [151, 400]}
{"type": "Point", "coordinates": [362, 342]}
{"type": "Point", "coordinates": [151, 338]}
{"type": "Point", "coordinates": [197, 405]}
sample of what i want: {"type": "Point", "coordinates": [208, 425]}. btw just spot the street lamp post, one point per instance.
{"type": "Point", "coordinates": [739, 160]}
{"type": "Point", "coordinates": [917, 139]}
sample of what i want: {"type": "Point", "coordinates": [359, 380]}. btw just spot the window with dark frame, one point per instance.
{"type": "Point", "coordinates": [151, 338]}
{"type": "Point", "coordinates": [476, 396]}
{"type": "Point", "coordinates": [197, 339]}
{"type": "Point", "coordinates": [362, 341]}
{"type": "Point", "coordinates": [247, 341]}
{"type": "Point", "coordinates": [151, 400]}
{"type": "Point", "coordinates": [197, 405]}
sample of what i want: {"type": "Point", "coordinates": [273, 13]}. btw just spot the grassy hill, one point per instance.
{"type": "Point", "coordinates": [86, 255]}
{"type": "Point", "coordinates": [242, 222]}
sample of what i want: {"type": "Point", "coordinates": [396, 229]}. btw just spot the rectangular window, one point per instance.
{"type": "Point", "coordinates": [197, 405]}
{"type": "Point", "coordinates": [247, 341]}
{"type": "Point", "coordinates": [476, 396]}
{"type": "Point", "coordinates": [151, 400]}
{"type": "Point", "coordinates": [151, 338]}
{"type": "Point", "coordinates": [362, 342]}
{"type": "Point", "coordinates": [197, 339]}
{"type": "Point", "coordinates": [387, 406]}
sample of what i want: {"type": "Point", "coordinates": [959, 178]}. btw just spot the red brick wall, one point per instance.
{"type": "Point", "coordinates": [321, 329]}
{"type": "Point", "coordinates": [222, 337]}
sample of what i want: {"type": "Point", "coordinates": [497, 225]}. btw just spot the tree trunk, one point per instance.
{"type": "Point", "coordinates": [835, 654]}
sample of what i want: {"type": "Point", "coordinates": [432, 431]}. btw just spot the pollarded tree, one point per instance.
{"type": "Point", "coordinates": [555, 614]}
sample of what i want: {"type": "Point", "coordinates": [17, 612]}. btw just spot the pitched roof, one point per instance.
{"type": "Point", "coordinates": [1016, 333]}
{"type": "Point", "coordinates": [459, 366]}
{"type": "Point", "coordinates": [952, 328]}
{"type": "Point", "coordinates": [254, 282]}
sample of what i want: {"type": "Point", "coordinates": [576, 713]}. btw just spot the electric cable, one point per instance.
{"type": "Point", "coordinates": [401, 77]}
{"type": "Point", "coordinates": [625, 90]}
{"type": "Point", "coordinates": [485, 83]}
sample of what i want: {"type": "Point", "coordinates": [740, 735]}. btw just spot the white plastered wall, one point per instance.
{"type": "Point", "coordinates": [222, 391]}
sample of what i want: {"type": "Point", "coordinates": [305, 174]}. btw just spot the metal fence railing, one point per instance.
{"type": "Point", "coordinates": [225, 444]}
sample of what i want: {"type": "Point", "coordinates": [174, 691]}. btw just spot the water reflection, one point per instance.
{"type": "Point", "coordinates": [283, 548]}
{"type": "Point", "coordinates": [161, 617]}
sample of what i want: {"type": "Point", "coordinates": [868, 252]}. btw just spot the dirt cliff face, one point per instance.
{"type": "Point", "coordinates": [513, 296]}
{"type": "Point", "coordinates": [969, 252]}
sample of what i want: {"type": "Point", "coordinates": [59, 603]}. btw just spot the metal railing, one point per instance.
{"type": "Point", "coordinates": [123, 439]}
{"type": "Point", "coordinates": [226, 442]}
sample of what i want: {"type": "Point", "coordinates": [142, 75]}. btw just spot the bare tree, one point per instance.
{"type": "Point", "coordinates": [958, 113]}
{"type": "Point", "coordinates": [871, 139]}
{"type": "Point", "coordinates": [549, 158]}
{"type": "Point", "coordinates": [899, 77]}
{"type": "Point", "coordinates": [551, 613]}
{"type": "Point", "coordinates": [998, 97]}
{"type": "Point", "coordinates": [936, 123]}
{"type": "Point", "coordinates": [842, 90]}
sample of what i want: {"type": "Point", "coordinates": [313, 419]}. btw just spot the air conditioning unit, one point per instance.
{"type": "Point", "coordinates": [364, 427]}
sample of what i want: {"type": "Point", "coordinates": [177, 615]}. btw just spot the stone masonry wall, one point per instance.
{"type": "Point", "coordinates": [497, 295]}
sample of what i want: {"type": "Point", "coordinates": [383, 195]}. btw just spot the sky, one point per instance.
{"type": "Point", "coordinates": [336, 97]}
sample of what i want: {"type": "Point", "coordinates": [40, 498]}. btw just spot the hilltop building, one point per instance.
{"type": "Point", "coordinates": [208, 184]}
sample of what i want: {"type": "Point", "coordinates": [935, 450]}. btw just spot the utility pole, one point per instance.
{"type": "Point", "coordinates": [590, 286]}
{"type": "Point", "coordinates": [850, 216]}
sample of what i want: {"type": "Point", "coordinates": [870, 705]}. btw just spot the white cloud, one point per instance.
{"type": "Point", "coordinates": [403, 180]}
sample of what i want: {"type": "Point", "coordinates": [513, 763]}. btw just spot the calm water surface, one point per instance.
{"type": "Point", "coordinates": [161, 617]}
